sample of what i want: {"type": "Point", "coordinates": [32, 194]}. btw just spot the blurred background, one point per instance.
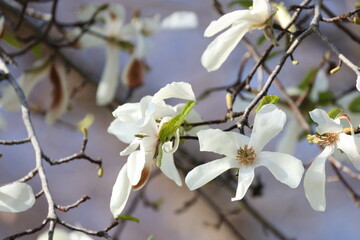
{"type": "Point", "coordinates": [174, 56]}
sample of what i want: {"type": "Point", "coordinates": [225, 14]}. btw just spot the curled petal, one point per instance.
{"type": "Point", "coordinates": [245, 178]}
{"type": "Point", "coordinates": [358, 83]}
{"type": "Point", "coordinates": [60, 93]}
{"type": "Point", "coordinates": [326, 124]}
{"type": "Point", "coordinates": [169, 169]}
{"type": "Point", "coordinates": [131, 148]}
{"type": "Point", "coordinates": [109, 80]}
{"type": "Point", "coordinates": [120, 192]}
{"type": "Point", "coordinates": [226, 143]}
{"type": "Point", "coordinates": [180, 90]}
{"type": "Point", "coordinates": [219, 49]}
{"type": "Point", "coordinates": [314, 180]}
{"type": "Point", "coordinates": [16, 197]}
{"type": "Point", "coordinates": [351, 146]}
{"type": "Point", "coordinates": [136, 163]}
{"type": "Point", "coordinates": [268, 123]}
{"type": "Point", "coordinates": [204, 173]}
{"type": "Point", "coordinates": [225, 21]}
{"type": "Point", "coordinates": [133, 73]}
{"type": "Point", "coordinates": [262, 10]}
{"type": "Point", "coordinates": [128, 112]}
{"type": "Point", "coordinates": [285, 168]}
{"type": "Point", "coordinates": [145, 175]}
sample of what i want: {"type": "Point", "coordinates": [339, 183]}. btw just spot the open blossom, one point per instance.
{"type": "Point", "coordinates": [139, 125]}
{"type": "Point", "coordinates": [240, 22]}
{"type": "Point", "coordinates": [16, 197]}
{"type": "Point", "coordinates": [115, 30]}
{"type": "Point", "coordinates": [330, 135]}
{"type": "Point", "coordinates": [41, 70]}
{"type": "Point", "coordinates": [246, 153]}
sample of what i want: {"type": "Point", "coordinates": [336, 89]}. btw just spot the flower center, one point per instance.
{"type": "Point", "coordinates": [246, 155]}
{"type": "Point", "coordinates": [326, 139]}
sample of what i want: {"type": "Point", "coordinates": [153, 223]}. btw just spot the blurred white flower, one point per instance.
{"type": "Point", "coordinates": [16, 197]}
{"type": "Point", "coordinates": [179, 20]}
{"type": "Point", "coordinates": [240, 22]}
{"type": "Point", "coordinates": [245, 154]}
{"type": "Point", "coordinates": [331, 136]}
{"type": "Point", "coordinates": [41, 70]}
{"type": "Point", "coordinates": [139, 124]}
{"type": "Point", "coordinates": [283, 16]}
{"type": "Point", "coordinates": [109, 34]}
{"type": "Point", "coordinates": [358, 83]}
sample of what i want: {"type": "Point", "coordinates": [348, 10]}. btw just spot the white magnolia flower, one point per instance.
{"type": "Point", "coordinates": [240, 22]}
{"type": "Point", "coordinates": [41, 70]}
{"type": "Point", "coordinates": [115, 30]}
{"type": "Point", "coordinates": [330, 135]}
{"type": "Point", "coordinates": [246, 153]}
{"type": "Point", "coordinates": [139, 124]}
{"type": "Point", "coordinates": [16, 197]}
{"type": "Point", "coordinates": [61, 234]}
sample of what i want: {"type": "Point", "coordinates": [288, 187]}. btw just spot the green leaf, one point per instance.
{"type": "Point", "coordinates": [244, 3]}
{"type": "Point", "coordinates": [354, 105]}
{"type": "Point", "coordinates": [308, 79]}
{"type": "Point", "coordinates": [128, 218]}
{"type": "Point", "coordinates": [36, 50]}
{"type": "Point", "coordinates": [260, 40]}
{"type": "Point", "coordinates": [169, 128]}
{"type": "Point", "coordinates": [269, 99]}
{"type": "Point", "coordinates": [11, 40]}
{"type": "Point", "coordinates": [357, 5]}
{"type": "Point", "coordinates": [335, 113]}
{"type": "Point", "coordinates": [325, 98]}
{"type": "Point", "coordinates": [151, 237]}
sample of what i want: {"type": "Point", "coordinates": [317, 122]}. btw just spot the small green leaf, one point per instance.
{"type": "Point", "coordinates": [128, 218]}
{"type": "Point", "coordinates": [169, 128]}
{"type": "Point", "coordinates": [244, 3]}
{"type": "Point", "coordinates": [151, 237]}
{"type": "Point", "coordinates": [269, 99]}
{"type": "Point", "coordinates": [325, 98]}
{"type": "Point", "coordinates": [11, 40]}
{"type": "Point", "coordinates": [260, 40]}
{"type": "Point", "coordinates": [308, 79]}
{"type": "Point", "coordinates": [335, 113]}
{"type": "Point", "coordinates": [159, 154]}
{"type": "Point", "coordinates": [36, 50]}
{"type": "Point", "coordinates": [354, 105]}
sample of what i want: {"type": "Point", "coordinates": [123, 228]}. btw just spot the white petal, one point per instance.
{"type": "Point", "coordinates": [109, 81]}
{"type": "Point", "coordinates": [60, 102]}
{"type": "Point", "coordinates": [120, 193]}
{"type": "Point", "coordinates": [204, 173]}
{"type": "Point", "coordinates": [351, 146]}
{"type": "Point", "coordinates": [268, 123]}
{"type": "Point", "coordinates": [78, 236]}
{"type": "Point", "coordinates": [16, 197]}
{"type": "Point", "coordinates": [262, 10]}
{"type": "Point", "coordinates": [124, 131]}
{"type": "Point", "coordinates": [131, 148]}
{"type": "Point", "coordinates": [219, 49]}
{"type": "Point", "coordinates": [225, 21]}
{"type": "Point", "coordinates": [245, 178]}
{"type": "Point", "coordinates": [181, 19]}
{"type": "Point", "coordinates": [358, 83]}
{"type": "Point", "coordinates": [226, 143]}
{"type": "Point", "coordinates": [59, 234]}
{"type": "Point", "coordinates": [169, 169]}
{"type": "Point", "coordinates": [285, 168]}
{"type": "Point", "coordinates": [136, 163]}
{"type": "Point", "coordinates": [180, 90]}
{"type": "Point", "coordinates": [314, 180]}
{"type": "Point", "coordinates": [2, 24]}
{"type": "Point", "coordinates": [128, 112]}
{"type": "Point", "coordinates": [326, 124]}
{"type": "Point", "coordinates": [321, 84]}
